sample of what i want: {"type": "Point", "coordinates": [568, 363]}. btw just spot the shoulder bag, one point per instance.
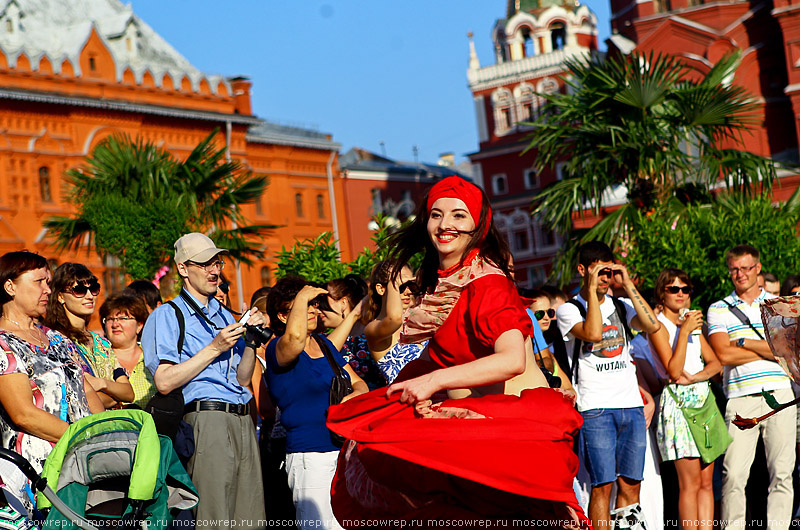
{"type": "Point", "coordinates": [707, 427]}
{"type": "Point", "coordinates": [340, 385]}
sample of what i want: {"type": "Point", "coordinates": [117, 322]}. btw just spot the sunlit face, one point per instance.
{"type": "Point", "coordinates": [604, 277]}
{"type": "Point", "coordinates": [677, 301]}
{"type": "Point", "coordinates": [76, 302]}
{"type": "Point", "coordinates": [202, 277]}
{"type": "Point", "coordinates": [407, 297]}
{"type": "Point", "coordinates": [744, 272]}
{"type": "Point", "coordinates": [121, 328]}
{"type": "Point", "coordinates": [450, 228]}
{"type": "Point", "coordinates": [312, 317]}
{"type": "Point", "coordinates": [339, 309]}
{"type": "Point", "coordinates": [30, 291]}
{"type": "Point", "coordinates": [542, 304]}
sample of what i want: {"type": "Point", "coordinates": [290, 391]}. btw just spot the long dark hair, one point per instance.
{"type": "Point", "coordinates": [414, 238]}
{"type": "Point", "coordinates": [352, 287]}
{"type": "Point", "coordinates": [380, 275]}
{"type": "Point", "coordinates": [56, 318]}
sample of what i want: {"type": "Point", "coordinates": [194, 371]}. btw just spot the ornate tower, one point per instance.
{"type": "Point", "coordinates": [530, 47]}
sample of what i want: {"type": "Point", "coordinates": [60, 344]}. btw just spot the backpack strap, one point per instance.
{"type": "Point", "coordinates": [622, 311]}
{"type": "Point", "coordinates": [576, 348]}
{"type": "Point", "coordinates": [181, 326]}
{"type": "Point", "coordinates": [738, 313]}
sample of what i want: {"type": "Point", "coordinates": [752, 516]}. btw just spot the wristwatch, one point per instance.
{"type": "Point", "coordinates": [740, 343]}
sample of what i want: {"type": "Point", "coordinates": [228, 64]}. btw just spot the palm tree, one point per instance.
{"type": "Point", "coordinates": [130, 189]}
{"type": "Point", "coordinates": [642, 122]}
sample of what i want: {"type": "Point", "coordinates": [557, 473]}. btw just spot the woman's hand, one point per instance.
{"type": "Point", "coordinates": [308, 293]}
{"type": "Point", "coordinates": [686, 378]}
{"type": "Point", "coordinates": [417, 389]}
{"type": "Point", "coordinates": [691, 321]}
{"type": "Point", "coordinates": [98, 384]}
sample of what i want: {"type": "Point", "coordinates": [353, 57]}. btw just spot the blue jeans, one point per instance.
{"type": "Point", "coordinates": [614, 443]}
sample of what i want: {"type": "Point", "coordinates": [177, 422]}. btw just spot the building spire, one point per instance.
{"type": "Point", "coordinates": [474, 63]}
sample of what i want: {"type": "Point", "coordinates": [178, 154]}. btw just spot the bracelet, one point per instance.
{"type": "Point", "coordinates": [119, 372]}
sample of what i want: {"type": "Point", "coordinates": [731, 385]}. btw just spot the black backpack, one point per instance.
{"type": "Point", "coordinates": [619, 308]}
{"type": "Point", "coordinates": [167, 409]}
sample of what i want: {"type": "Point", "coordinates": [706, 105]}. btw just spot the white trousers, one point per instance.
{"type": "Point", "coordinates": [310, 476]}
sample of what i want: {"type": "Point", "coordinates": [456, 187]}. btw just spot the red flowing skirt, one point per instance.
{"type": "Point", "coordinates": [515, 460]}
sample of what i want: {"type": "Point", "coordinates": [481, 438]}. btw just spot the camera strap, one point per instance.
{"type": "Point", "coordinates": [197, 309]}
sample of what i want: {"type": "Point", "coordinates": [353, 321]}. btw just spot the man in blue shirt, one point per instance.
{"type": "Point", "coordinates": [213, 367]}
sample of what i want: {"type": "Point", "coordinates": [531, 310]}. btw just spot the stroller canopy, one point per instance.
{"type": "Point", "coordinates": [109, 464]}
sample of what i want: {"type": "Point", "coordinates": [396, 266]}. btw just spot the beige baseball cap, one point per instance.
{"type": "Point", "coordinates": [195, 247]}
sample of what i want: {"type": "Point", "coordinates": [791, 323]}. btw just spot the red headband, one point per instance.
{"type": "Point", "coordinates": [454, 187]}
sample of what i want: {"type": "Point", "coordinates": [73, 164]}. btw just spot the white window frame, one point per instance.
{"type": "Point", "coordinates": [525, 177]}
{"type": "Point", "coordinates": [495, 180]}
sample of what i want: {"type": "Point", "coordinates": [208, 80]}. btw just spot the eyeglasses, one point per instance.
{"type": "Point", "coordinates": [80, 290]}
{"type": "Point", "coordinates": [674, 289]}
{"type": "Point", "coordinates": [411, 286]}
{"type": "Point", "coordinates": [794, 292]}
{"type": "Point", "coordinates": [208, 267]}
{"type": "Point", "coordinates": [541, 313]}
{"type": "Point", "coordinates": [111, 320]}
{"type": "Point", "coordinates": [736, 270]}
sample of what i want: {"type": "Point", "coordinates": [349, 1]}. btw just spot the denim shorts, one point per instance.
{"type": "Point", "coordinates": [614, 442]}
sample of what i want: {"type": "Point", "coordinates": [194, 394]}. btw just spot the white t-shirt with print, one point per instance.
{"type": "Point", "coordinates": [606, 373]}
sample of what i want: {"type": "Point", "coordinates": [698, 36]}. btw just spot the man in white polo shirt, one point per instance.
{"type": "Point", "coordinates": [737, 335]}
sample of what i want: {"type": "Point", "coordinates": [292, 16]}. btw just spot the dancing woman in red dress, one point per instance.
{"type": "Point", "coordinates": [470, 430]}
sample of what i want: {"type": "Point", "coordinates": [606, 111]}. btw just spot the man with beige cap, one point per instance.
{"type": "Point", "coordinates": [214, 366]}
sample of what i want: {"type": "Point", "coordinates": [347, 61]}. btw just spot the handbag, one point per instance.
{"type": "Point", "coordinates": [707, 427]}
{"type": "Point", "coordinates": [340, 385]}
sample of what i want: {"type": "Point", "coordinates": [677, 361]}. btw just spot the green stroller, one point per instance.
{"type": "Point", "coordinates": [111, 470]}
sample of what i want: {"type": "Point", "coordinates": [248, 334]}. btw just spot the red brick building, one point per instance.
{"type": "Point", "coordinates": [531, 45]}
{"type": "Point", "coordinates": [73, 72]}
{"type": "Point", "coordinates": [702, 31]}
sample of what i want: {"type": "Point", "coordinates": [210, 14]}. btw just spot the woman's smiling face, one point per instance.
{"type": "Point", "coordinates": [450, 228]}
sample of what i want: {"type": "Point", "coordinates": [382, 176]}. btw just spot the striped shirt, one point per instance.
{"type": "Point", "coordinates": [754, 376]}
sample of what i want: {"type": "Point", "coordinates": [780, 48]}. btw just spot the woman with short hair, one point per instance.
{"type": "Point", "coordinates": [42, 385]}
{"type": "Point", "coordinates": [123, 317]}
{"type": "Point", "coordinates": [299, 377]}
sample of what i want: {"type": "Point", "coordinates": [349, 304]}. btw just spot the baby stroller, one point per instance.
{"type": "Point", "coordinates": [110, 469]}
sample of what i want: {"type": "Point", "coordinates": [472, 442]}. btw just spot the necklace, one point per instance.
{"type": "Point", "coordinates": [35, 336]}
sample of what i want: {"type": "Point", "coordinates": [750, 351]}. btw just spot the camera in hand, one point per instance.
{"type": "Point", "coordinates": [257, 334]}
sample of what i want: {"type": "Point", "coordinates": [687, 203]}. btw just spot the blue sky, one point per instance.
{"type": "Point", "coordinates": [366, 71]}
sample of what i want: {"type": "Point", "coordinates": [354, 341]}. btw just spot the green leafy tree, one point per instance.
{"type": "Point", "coordinates": [134, 199]}
{"type": "Point", "coordinates": [697, 238]}
{"type": "Point", "coordinates": [651, 124]}
{"type": "Point", "coordinates": [317, 260]}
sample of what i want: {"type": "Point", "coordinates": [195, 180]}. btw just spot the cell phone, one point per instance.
{"type": "Point", "coordinates": [245, 317]}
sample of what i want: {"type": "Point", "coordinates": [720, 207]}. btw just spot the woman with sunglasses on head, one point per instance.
{"type": "Point", "coordinates": [341, 310]}
{"type": "Point", "coordinates": [299, 376]}
{"type": "Point", "coordinates": [505, 448]}
{"type": "Point", "coordinates": [791, 285]}
{"type": "Point", "coordinates": [69, 309]}
{"type": "Point", "coordinates": [123, 317]}
{"type": "Point", "coordinates": [42, 385]}
{"type": "Point", "coordinates": [690, 362]}
{"type": "Point", "coordinates": [388, 300]}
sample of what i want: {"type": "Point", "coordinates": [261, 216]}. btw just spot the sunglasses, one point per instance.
{"type": "Point", "coordinates": [674, 289]}
{"type": "Point", "coordinates": [80, 290]}
{"type": "Point", "coordinates": [411, 286]}
{"type": "Point", "coordinates": [541, 313]}
{"type": "Point", "coordinates": [321, 303]}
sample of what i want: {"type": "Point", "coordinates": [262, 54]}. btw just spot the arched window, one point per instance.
{"type": "Point", "coordinates": [298, 204]}
{"type": "Point", "coordinates": [45, 191]}
{"type": "Point", "coordinates": [558, 35]}
{"type": "Point", "coordinates": [526, 101]}
{"type": "Point", "coordinates": [320, 206]}
{"type": "Point", "coordinates": [529, 45]}
{"type": "Point", "coordinates": [266, 276]}
{"type": "Point", "coordinates": [503, 111]}
{"type": "Point", "coordinates": [499, 184]}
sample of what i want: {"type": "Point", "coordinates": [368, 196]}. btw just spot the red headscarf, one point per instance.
{"type": "Point", "coordinates": [454, 187]}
